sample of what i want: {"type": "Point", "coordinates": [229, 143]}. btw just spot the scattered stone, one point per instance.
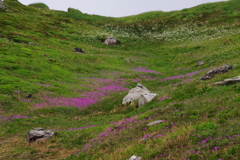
{"type": "Point", "coordinates": [145, 98]}
{"type": "Point", "coordinates": [2, 6]}
{"type": "Point", "coordinates": [39, 134]}
{"type": "Point", "coordinates": [17, 91]}
{"type": "Point", "coordinates": [229, 81]}
{"type": "Point", "coordinates": [200, 63]}
{"type": "Point", "coordinates": [180, 115]}
{"type": "Point", "coordinates": [110, 41]}
{"type": "Point", "coordinates": [31, 43]}
{"type": "Point", "coordinates": [74, 10]}
{"type": "Point", "coordinates": [79, 50]}
{"type": "Point", "coordinates": [29, 96]}
{"type": "Point", "coordinates": [211, 73]}
{"type": "Point", "coordinates": [135, 158]}
{"type": "Point", "coordinates": [155, 122]}
{"type": "Point", "coordinates": [46, 55]}
{"type": "Point", "coordinates": [135, 94]}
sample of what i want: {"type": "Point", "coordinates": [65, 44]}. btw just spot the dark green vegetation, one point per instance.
{"type": "Point", "coordinates": [37, 58]}
{"type": "Point", "coordinates": [39, 5]}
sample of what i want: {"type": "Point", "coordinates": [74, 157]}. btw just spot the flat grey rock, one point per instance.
{"type": "Point", "coordinates": [155, 122]}
{"type": "Point", "coordinates": [39, 134]}
{"type": "Point", "coordinates": [229, 81]}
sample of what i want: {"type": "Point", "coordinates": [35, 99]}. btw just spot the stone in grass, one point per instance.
{"type": "Point", "coordinates": [211, 73]}
{"type": "Point", "coordinates": [110, 41]}
{"type": "Point", "coordinates": [145, 98]}
{"type": "Point", "coordinates": [135, 158]}
{"type": "Point", "coordinates": [135, 94]}
{"type": "Point", "coordinates": [39, 134]}
{"type": "Point", "coordinates": [2, 6]}
{"type": "Point", "coordinates": [228, 81]}
{"type": "Point", "coordinates": [155, 122]}
{"type": "Point", "coordinates": [200, 63]}
{"type": "Point", "coordinates": [79, 50]}
{"type": "Point", "coordinates": [29, 96]}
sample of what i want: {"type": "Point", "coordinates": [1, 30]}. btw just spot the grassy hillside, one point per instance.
{"type": "Point", "coordinates": [79, 96]}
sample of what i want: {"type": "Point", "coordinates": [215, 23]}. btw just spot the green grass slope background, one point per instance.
{"type": "Point", "coordinates": [79, 96]}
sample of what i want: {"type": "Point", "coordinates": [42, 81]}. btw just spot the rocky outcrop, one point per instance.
{"type": "Point", "coordinates": [135, 158]}
{"type": "Point", "coordinates": [145, 98]}
{"type": "Point", "coordinates": [211, 73]}
{"type": "Point", "coordinates": [135, 94]}
{"type": "Point", "coordinates": [228, 81]}
{"type": "Point", "coordinates": [110, 41]}
{"type": "Point", "coordinates": [2, 6]}
{"type": "Point", "coordinates": [39, 134]}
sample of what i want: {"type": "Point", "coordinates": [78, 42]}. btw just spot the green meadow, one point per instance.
{"type": "Point", "coordinates": [79, 95]}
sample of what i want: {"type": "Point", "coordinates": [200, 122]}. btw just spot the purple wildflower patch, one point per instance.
{"type": "Point", "coordinates": [72, 129]}
{"type": "Point", "coordinates": [45, 85]}
{"type": "Point", "coordinates": [191, 73]}
{"type": "Point", "coordinates": [136, 80]}
{"type": "Point", "coordinates": [141, 69]}
{"type": "Point", "coordinates": [64, 102]}
{"type": "Point", "coordinates": [100, 89]}
{"type": "Point", "coordinates": [112, 87]}
{"type": "Point", "coordinates": [10, 118]}
{"type": "Point", "coordinates": [181, 76]}
{"type": "Point", "coordinates": [163, 98]}
{"type": "Point", "coordinates": [173, 77]}
{"type": "Point", "coordinates": [18, 116]}
{"type": "Point", "coordinates": [113, 131]}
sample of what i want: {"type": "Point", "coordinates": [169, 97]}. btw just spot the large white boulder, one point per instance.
{"type": "Point", "coordinates": [135, 94]}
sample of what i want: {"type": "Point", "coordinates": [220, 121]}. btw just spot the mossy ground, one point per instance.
{"type": "Point", "coordinates": [79, 95]}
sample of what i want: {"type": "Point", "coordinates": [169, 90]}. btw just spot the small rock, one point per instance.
{"type": "Point", "coordinates": [155, 122]}
{"type": "Point", "coordinates": [135, 158]}
{"type": "Point", "coordinates": [46, 55]}
{"type": "Point", "coordinates": [110, 41]}
{"type": "Point", "coordinates": [79, 50]}
{"type": "Point", "coordinates": [39, 134]}
{"type": "Point", "coordinates": [29, 96]}
{"type": "Point", "coordinates": [211, 73]}
{"type": "Point", "coordinates": [31, 43]}
{"type": "Point", "coordinates": [17, 91]}
{"type": "Point", "coordinates": [229, 81]}
{"type": "Point", "coordinates": [200, 63]}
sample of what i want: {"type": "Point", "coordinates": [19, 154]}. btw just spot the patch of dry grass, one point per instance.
{"type": "Point", "coordinates": [19, 148]}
